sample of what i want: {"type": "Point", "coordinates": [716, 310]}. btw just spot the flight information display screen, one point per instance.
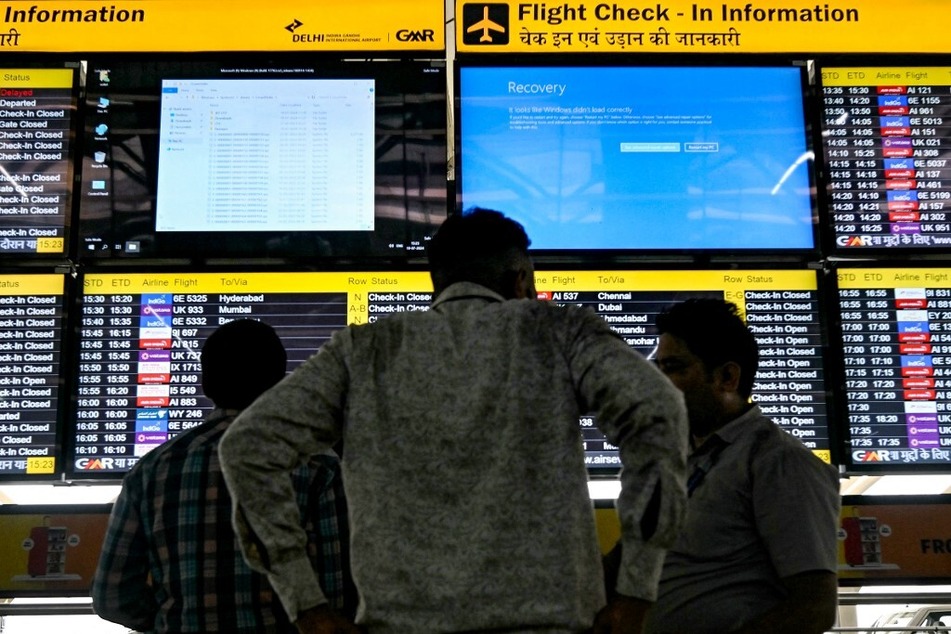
{"type": "Point", "coordinates": [896, 347]}
{"type": "Point", "coordinates": [139, 373]}
{"type": "Point", "coordinates": [199, 156]}
{"type": "Point", "coordinates": [780, 307]}
{"type": "Point", "coordinates": [610, 158]}
{"type": "Point", "coordinates": [138, 380]}
{"type": "Point", "coordinates": [886, 134]}
{"type": "Point", "coordinates": [37, 127]}
{"type": "Point", "coordinates": [31, 335]}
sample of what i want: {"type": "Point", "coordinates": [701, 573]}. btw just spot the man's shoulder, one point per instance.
{"type": "Point", "coordinates": [770, 443]}
{"type": "Point", "coordinates": [201, 438]}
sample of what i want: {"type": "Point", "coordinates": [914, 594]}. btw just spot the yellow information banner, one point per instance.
{"type": "Point", "coordinates": [28, 284]}
{"type": "Point", "coordinates": [362, 289]}
{"type": "Point", "coordinates": [894, 278]}
{"type": "Point", "coordinates": [238, 25]}
{"type": "Point", "coordinates": [878, 76]}
{"type": "Point", "coordinates": [680, 26]}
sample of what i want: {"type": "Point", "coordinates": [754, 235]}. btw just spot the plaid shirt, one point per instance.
{"type": "Point", "coordinates": [171, 562]}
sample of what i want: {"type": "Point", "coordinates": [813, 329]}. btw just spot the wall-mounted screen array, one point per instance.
{"type": "Point", "coordinates": [886, 135]}
{"type": "Point", "coordinates": [781, 308]}
{"type": "Point", "coordinates": [896, 347]}
{"type": "Point", "coordinates": [138, 381]}
{"type": "Point", "coordinates": [31, 334]}
{"type": "Point", "coordinates": [613, 158]}
{"type": "Point", "coordinates": [256, 157]}
{"type": "Point", "coordinates": [37, 127]}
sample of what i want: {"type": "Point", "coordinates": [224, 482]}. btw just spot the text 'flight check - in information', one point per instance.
{"type": "Point", "coordinates": [31, 334]}
{"type": "Point", "coordinates": [887, 140]}
{"type": "Point", "coordinates": [37, 110]}
{"type": "Point", "coordinates": [896, 332]}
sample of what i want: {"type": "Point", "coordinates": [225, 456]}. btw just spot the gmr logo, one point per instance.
{"type": "Point", "coordinates": [882, 455]}
{"type": "Point", "coordinates": [854, 241]}
{"type": "Point", "coordinates": [405, 35]}
{"type": "Point", "coordinates": [94, 464]}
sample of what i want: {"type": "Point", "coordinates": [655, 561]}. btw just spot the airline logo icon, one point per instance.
{"type": "Point", "coordinates": [152, 395]}
{"type": "Point", "coordinates": [895, 126]}
{"type": "Point", "coordinates": [485, 24]}
{"type": "Point", "coordinates": [893, 105]}
{"type": "Point", "coordinates": [151, 420]}
{"type": "Point", "coordinates": [902, 196]}
{"type": "Point", "coordinates": [899, 168]}
{"type": "Point", "coordinates": [896, 147]}
{"type": "Point", "coordinates": [155, 366]}
{"type": "Point", "coordinates": [901, 184]}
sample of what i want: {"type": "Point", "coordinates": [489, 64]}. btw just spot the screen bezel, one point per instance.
{"type": "Point", "coordinates": [421, 214]}
{"type": "Point", "coordinates": [74, 64]}
{"type": "Point", "coordinates": [829, 245]}
{"type": "Point", "coordinates": [674, 60]}
{"type": "Point", "coordinates": [65, 360]}
{"type": "Point", "coordinates": [837, 381]}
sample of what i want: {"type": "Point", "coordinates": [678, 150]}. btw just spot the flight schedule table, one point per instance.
{"type": "Point", "coordinates": [896, 332]}
{"type": "Point", "coordinates": [37, 112]}
{"type": "Point", "coordinates": [138, 380]}
{"type": "Point", "coordinates": [780, 307]}
{"type": "Point", "coordinates": [887, 142]}
{"type": "Point", "coordinates": [31, 334]}
{"type": "Point", "coordinates": [139, 373]}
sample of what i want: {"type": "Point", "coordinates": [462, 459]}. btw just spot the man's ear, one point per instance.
{"type": "Point", "coordinates": [524, 285]}
{"type": "Point", "coordinates": [728, 376]}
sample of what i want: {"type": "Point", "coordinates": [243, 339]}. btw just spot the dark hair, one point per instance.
{"type": "Point", "coordinates": [240, 361]}
{"type": "Point", "coordinates": [478, 245]}
{"type": "Point", "coordinates": [713, 330]}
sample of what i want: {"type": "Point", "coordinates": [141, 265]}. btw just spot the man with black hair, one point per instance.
{"type": "Point", "coordinates": [170, 560]}
{"type": "Point", "coordinates": [758, 551]}
{"type": "Point", "coordinates": [464, 465]}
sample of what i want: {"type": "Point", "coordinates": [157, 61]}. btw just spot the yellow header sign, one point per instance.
{"type": "Point", "coordinates": [680, 26]}
{"type": "Point", "coordinates": [237, 25]}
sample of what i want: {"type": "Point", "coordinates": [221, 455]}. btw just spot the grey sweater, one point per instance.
{"type": "Point", "coordinates": [463, 465]}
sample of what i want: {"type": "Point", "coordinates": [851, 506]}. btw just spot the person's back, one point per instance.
{"type": "Point", "coordinates": [464, 462]}
{"type": "Point", "coordinates": [171, 561]}
{"type": "Point", "coordinates": [478, 452]}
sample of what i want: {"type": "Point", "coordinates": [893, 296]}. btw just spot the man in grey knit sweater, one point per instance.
{"type": "Point", "coordinates": [463, 461]}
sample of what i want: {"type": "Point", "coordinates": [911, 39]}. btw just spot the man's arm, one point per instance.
{"type": "Point", "coordinates": [795, 484]}
{"type": "Point", "coordinates": [121, 591]}
{"type": "Point", "coordinates": [641, 412]}
{"type": "Point", "coordinates": [809, 607]}
{"type": "Point", "coordinates": [296, 419]}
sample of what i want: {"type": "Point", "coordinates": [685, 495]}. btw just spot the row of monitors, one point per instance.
{"type": "Point", "coordinates": [144, 156]}
{"type": "Point", "coordinates": [98, 370]}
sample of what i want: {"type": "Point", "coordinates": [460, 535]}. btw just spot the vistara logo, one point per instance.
{"type": "Point", "coordinates": [293, 26]}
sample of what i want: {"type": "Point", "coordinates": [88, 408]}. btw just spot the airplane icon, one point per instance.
{"type": "Point", "coordinates": [485, 25]}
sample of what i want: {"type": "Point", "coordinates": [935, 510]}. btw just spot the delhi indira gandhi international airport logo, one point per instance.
{"type": "Point", "coordinates": [485, 24]}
